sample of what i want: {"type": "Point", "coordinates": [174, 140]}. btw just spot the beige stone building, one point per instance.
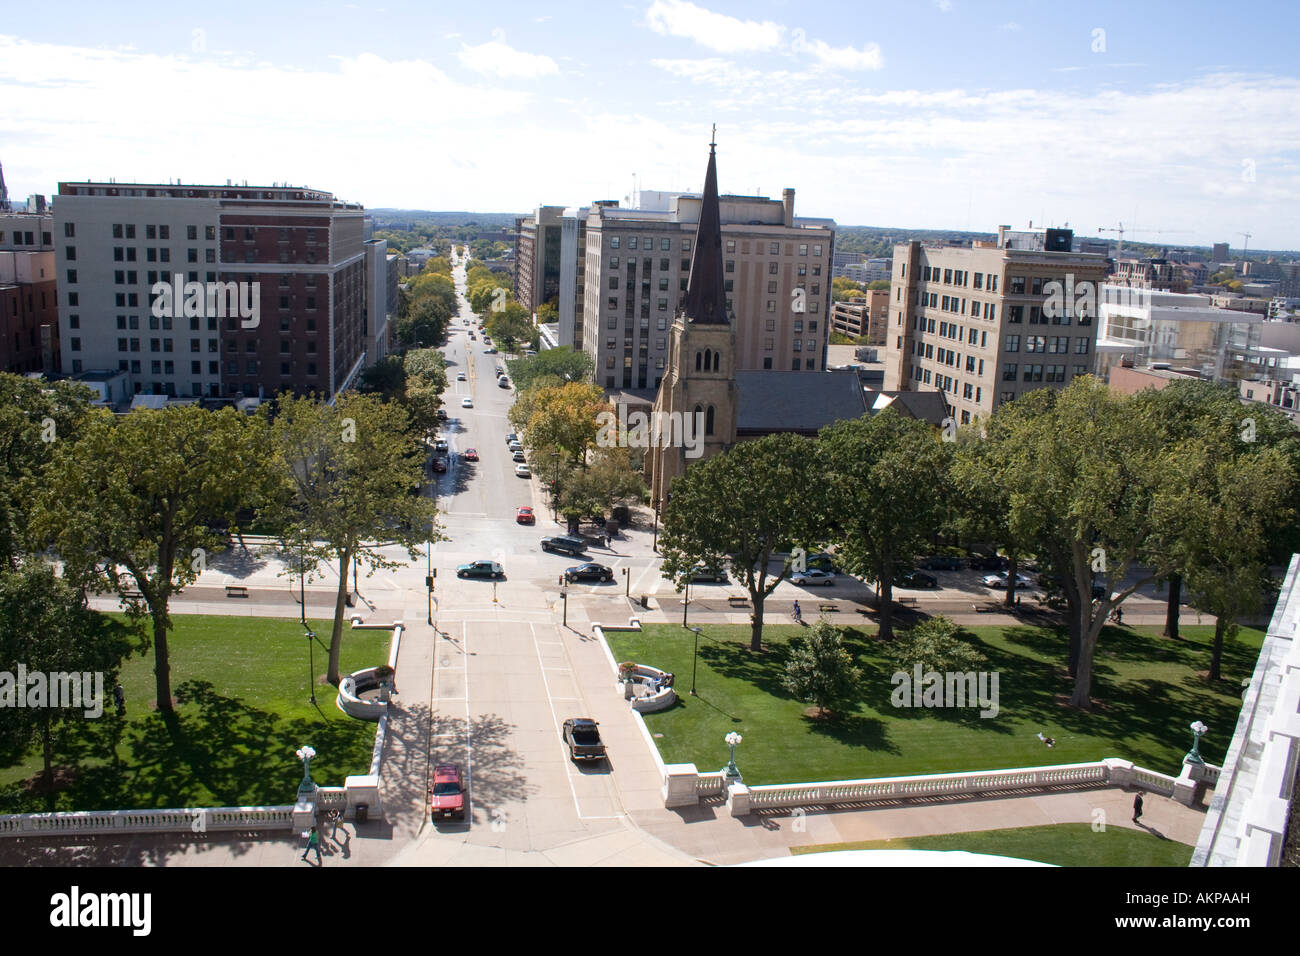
{"type": "Point", "coordinates": [988, 322]}
{"type": "Point", "coordinates": [867, 316]}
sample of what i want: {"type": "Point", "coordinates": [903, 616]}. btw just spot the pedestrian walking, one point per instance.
{"type": "Point", "coordinates": [119, 699]}
{"type": "Point", "coordinates": [1137, 807]}
{"type": "Point", "coordinates": [798, 613]}
{"type": "Point", "coordinates": [334, 821]}
{"type": "Point", "coordinates": [313, 843]}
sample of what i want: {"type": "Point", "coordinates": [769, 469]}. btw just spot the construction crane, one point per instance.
{"type": "Point", "coordinates": [1146, 232]}
{"type": "Point", "coordinates": [1246, 235]}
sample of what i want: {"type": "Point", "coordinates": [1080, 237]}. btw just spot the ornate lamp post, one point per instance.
{"type": "Point", "coordinates": [1194, 755]}
{"type": "Point", "coordinates": [311, 665]}
{"type": "Point", "coordinates": [694, 658]}
{"type": "Point", "coordinates": [732, 740]}
{"type": "Point", "coordinates": [305, 754]}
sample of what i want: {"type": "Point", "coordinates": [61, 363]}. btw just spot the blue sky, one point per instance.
{"type": "Point", "coordinates": [930, 114]}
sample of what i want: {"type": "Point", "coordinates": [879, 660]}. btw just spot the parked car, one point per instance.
{"type": "Point", "coordinates": [1050, 582]}
{"type": "Point", "coordinates": [813, 577]}
{"type": "Point", "coordinates": [999, 581]}
{"type": "Point", "coordinates": [915, 579]}
{"type": "Point", "coordinates": [565, 544]}
{"type": "Point", "coordinates": [524, 515]}
{"type": "Point", "coordinates": [503, 382]}
{"type": "Point", "coordinates": [516, 446]}
{"type": "Point", "coordinates": [940, 562]}
{"type": "Point", "coordinates": [511, 438]}
{"type": "Point", "coordinates": [821, 562]}
{"type": "Point", "coordinates": [442, 414]}
{"type": "Point", "coordinates": [440, 465]}
{"type": "Point", "coordinates": [480, 569]}
{"type": "Point", "coordinates": [588, 572]}
{"type": "Point", "coordinates": [986, 562]}
{"type": "Point", "coordinates": [440, 445]}
{"type": "Point", "coordinates": [702, 573]}
{"type": "Point", "coordinates": [518, 456]}
{"type": "Point", "coordinates": [582, 738]}
{"type": "Point", "coordinates": [471, 454]}
{"type": "Point", "coordinates": [489, 351]}
{"type": "Point", "coordinates": [447, 795]}
{"type": "Point", "coordinates": [460, 376]}
{"type": "Point", "coordinates": [467, 402]}
{"type": "Point", "coordinates": [523, 471]}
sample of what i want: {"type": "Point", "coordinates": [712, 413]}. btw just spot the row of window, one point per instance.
{"type": "Point", "coordinates": [25, 238]}
{"type": "Point", "coordinates": [1040, 373]}
{"type": "Point", "coordinates": [958, 277]}
{"type": "Point", "coordinates": [168, 367]}
{"type": "Point", "coordinates": [1057, 344]}
{"type": "Point", "coordinates": [666, 245]}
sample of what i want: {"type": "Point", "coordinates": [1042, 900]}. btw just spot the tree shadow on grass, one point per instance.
{"type": "Point", "coordinates": [854, 730]}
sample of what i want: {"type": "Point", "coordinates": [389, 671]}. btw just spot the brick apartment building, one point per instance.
{"type": "Point", "coordinates": [29, 315]}
{"type": "Point", "coordinates": [974, 322]}
{"type": "Point", "coordinates": [299, 250]}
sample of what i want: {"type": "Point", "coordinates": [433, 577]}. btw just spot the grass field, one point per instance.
{"type": "Point", "coordinates": [240, 684]}
{"type": "Point", "coordinates": [1065, 844]}
{"type": "Point", "coordinates": [1146, 689]}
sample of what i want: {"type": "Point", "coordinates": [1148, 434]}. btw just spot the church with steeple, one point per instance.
{"type": "Point", "coordinates": [699, 384]}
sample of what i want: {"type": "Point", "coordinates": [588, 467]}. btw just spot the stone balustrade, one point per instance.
{"type": "Point", "coordinates": [112, 822]}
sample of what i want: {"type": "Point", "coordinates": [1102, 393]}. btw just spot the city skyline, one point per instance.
{"type": "Point", "coordinates": [946, 115]}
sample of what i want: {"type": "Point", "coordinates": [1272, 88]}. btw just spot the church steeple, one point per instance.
{"type": "Point", "coordinates": [706, 299]}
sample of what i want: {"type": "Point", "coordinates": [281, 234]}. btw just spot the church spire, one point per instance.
{"type": "Point", "coordinates": [706, 299]}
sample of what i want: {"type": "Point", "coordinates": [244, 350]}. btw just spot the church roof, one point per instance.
{"type": "Point", "coordinates": [770, 401]}
{"type": "Point", "coordinates": [706, 299]}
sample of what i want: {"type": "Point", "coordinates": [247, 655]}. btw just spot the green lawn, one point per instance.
{"type": "Point", "coordinates": [242, 710]}
{"type": "Point", "coordinates": [1145, 686]}
{"type": "Point", "coordinates": [1066, 844]}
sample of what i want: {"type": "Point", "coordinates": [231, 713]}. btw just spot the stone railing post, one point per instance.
{"type": "Point", "coordinates": [738, 799]}
{"type": "Point", "coordinates": [680, 782]}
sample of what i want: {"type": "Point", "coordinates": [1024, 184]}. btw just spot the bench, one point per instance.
{"type": "Point", "coordinates": [828, 607]}
{"type": "Point", "coordinates": [907, 601]}
{"type": "Point", "coordinates": [738, 601]}
{"type": "Point", "coordinates": [236, 590]}
{"type": "Point", "coordinates": [133, 595]}
{"type": "Point", "coordinates": [985, 608]}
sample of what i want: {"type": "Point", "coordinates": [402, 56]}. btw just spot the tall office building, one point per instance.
{"type": "Point", "coordinates": [777, 279]}
{"type": "Point", "coordinates": [551, 265]}
{"type": "Point", "coordinates": [981, 324]}
{"type": "Point", "coordinates": [272, 284]}
{"type": "Point", "coordinates": [1219, 253]}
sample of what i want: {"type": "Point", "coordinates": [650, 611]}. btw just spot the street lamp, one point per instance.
{"type": "Point", "coordinates": [627, 580]}
{"type": "Point", "coordinates": [564, 594]}
{"type": "Point", "coordinates": [654, 544]}
{"type": "Point", "coordinates": [302, 575]}
{"type": "Point", "coordinates": [1198, 731]}
{"type": "Point", "coordinates": [686, 597]}
{"type": "Point", "coordinates": [695, 657]}
{"type": "Point", "coordinates": [305, 754]}
{"type": "Point", "coordinates": [732, 740]}
{"type": "Point", "coordinates": [311, 663]}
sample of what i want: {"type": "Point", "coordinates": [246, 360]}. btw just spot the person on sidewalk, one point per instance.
{"type": "Point", "coordinates": [1137, 807]}
{"type": "Point", "coordinates": [313, 843]}
{"type": "Point", "coordinates": [798, 613]}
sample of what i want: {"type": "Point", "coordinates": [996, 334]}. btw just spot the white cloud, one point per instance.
{"type": "Point", "coordinates": [717, 31]}
{"type": "Point", "coordinates": [1011, 27]}
{"type": "Point", "coordinates": [943, 5]}
{"type": "Point", "coordinates": [838, 58]}
{"type": "Point", "coordinates": [497, 58]}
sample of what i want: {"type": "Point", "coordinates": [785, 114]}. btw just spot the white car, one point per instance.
{"type": "Point", "coordinates": [999, 581]}
{"type": "Point", "coordinates": [460, 376]}
{"type": "Point", "coordinates": [812, 577]}
{"type": "Point", "coordinates": [467, 403]}
{"type": "Point", "coordinates": [523, 471]}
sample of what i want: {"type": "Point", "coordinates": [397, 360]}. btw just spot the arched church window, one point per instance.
{"type": "Point", "coordinates": [708, 421]}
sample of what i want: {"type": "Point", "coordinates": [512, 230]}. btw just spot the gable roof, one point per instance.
{"type": "Point", "coordinates": [805, 402]}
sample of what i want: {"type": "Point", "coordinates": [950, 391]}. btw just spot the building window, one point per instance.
{"type": "Point", "coordinates": [731, 245]}
{"type": "Point", "coordinates": [1081, 346]}
{"type": "Point", "coordinates": [1009, 371]}
{"type": "Point", "coordinates": [613, 242]}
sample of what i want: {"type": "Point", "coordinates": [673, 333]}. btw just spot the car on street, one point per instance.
{"type": "Point", "coordinates": [702, 573]}
{"type": "Point", "coordinates": [442, 414]}
{"type": "Point", "coordinates": [503, 382]}
{"type": "Point", "coordinates": [524, 515]}
{"type": "Point", "coordinates": [999, 581]}
{"type": "Point", "coordinates": [1050, 582]}
{"type": "Point", "coordinates": [440, 465]}
{"type": "Point", "coordinates": [461, 376]}
{"type": "Point", "coordinates": [821, 562]}
{"type": "Point", "coordinates": [582, 737]}
{"type": "Point", "coordinates": [467, 402]}
{"type": "Point", "coordinates": [588, 572]}
{"type": "Point", "coordinates": [915, 579]}
{"type": "Point", "coordinates": [986, 562]}
{"type": "Point", "coordinates": [440, 445]}
{"type": "Point", "coordinates": [471, 454]}
{"type": "Point", "coordinates": [940, 562]}
{"type": "Point", "coordinates": [813, 577]}
{"type": "Point", "coordinates": [447, 795]}
{"type": "Point", "coordinates": [512, 437]}
{"type": "Point", "coordinates": [523, 471]}
{"type": "Point", "coordinates": [565, 544]}
{"type": "Point", "coordinates": [480, 569]}
{"type": "Point", "coordinates": [518, 456]}
{"type": "Point", "coordinates": [515, 446]}
{"type": "Point", "coordinates": [489, 351]}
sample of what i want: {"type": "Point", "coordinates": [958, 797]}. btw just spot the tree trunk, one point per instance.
{"type": "Point", "coordinates": [1171, 608]}
{"type": "Point", "coordinates": [756, 620]}
{"type": "Point", "coordinates": [1013, 568]}
{"type": "Point", "coordinates": [1216, 653]}
{"type": "Point", "coordinates": [47, 749]}
{"type": "Point", "coordinates": [336, 637]}
{"type": "Point", "coordinates": [162, 667]}
{"type": "Point", "coordinates": [1082, 696]}
{"type": "Point", "coordinates": [886, 595]}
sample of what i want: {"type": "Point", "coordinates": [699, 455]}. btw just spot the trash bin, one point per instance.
{"type": "Point", "coordinates": [645, 601]}
{"type": "Point", "coordinates": [363, 812]}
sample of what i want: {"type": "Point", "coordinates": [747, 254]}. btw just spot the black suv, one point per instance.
{"type": "Point", "coordinates": [565, 544]}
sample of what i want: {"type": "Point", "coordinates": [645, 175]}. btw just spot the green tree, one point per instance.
{"type": "Point", "coordinates": [886, 478]}
{"type": "Point", "coordinates": [425, 322]}
{"type": "Point", "coordinates": [143, 494]}
{"type": "Point", "coordinates": [353, 473]}
{"type": "Point", "coordinates": [548, 312]}
{"type": "Point", "coordinates": [879, 285]}
{"type": "Point", "coordinates": [562, 417]}
{"type": "Point", "coordinates": [751, 502]}
{"type": "Point", "coordinates": [562, 364]}
{"type": "Point", "coordinates": [820, 670]}
{"type": "Point", "coordinates": [45, 627]}
{"type": "Point", "coordinates": [936, 645]}
{"type": "Point", "coordinates": [509, 325]}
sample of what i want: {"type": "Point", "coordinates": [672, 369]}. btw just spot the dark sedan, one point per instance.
{"type": "Point", "coordinates": [588, 572]}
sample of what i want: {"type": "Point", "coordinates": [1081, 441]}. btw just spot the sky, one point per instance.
{"type": "Point", "coordinates": [1179, 120]}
